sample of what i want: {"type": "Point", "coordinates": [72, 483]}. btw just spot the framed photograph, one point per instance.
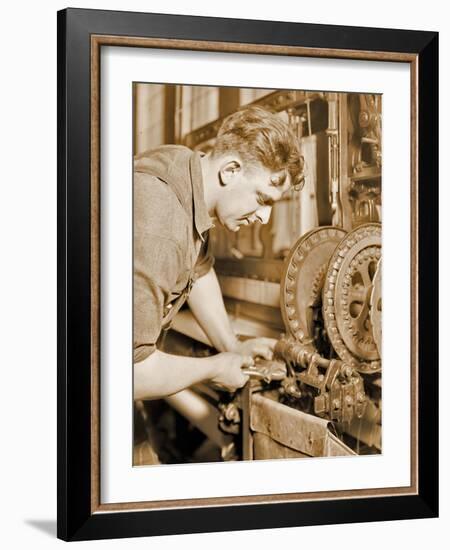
{"type": "Point", "coordinates": [247, 256]}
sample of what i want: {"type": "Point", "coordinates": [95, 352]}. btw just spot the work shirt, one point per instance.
{"type": "Point", "coordinates": [171, 223]}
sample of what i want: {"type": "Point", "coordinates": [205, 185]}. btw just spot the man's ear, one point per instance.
{"type": "Point", "coordinates": [228, 171]}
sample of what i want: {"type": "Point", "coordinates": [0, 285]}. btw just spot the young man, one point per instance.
{"type": "Point", "coordinates": [177, 194]}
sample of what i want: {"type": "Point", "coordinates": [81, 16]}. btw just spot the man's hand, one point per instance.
{"type": "Point", "coordinates": [228, 373]}
{"type": "Point", "coordinates": [257, 347]}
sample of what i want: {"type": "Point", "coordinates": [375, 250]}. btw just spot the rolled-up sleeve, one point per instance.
{"type": "Point", "coordinates": [205, 259]}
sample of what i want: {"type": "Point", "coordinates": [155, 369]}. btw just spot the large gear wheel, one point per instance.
{"type": "Point", "coordinates": [347, 292]}
{"type": "Point", "coordinates": [302, 282]}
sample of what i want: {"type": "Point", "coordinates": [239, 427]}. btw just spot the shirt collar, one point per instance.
{"type": "Point", "coordinates": [202, 220]}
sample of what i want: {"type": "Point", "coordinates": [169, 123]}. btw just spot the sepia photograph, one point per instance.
{"type": "Point", "coordinates": [257, 269]}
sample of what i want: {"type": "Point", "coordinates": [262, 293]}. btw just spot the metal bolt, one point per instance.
{"type": "Point", "coordinates": [348, 371]}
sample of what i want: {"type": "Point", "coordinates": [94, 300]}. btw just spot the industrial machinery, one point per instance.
{"type": "Point", "coordinates": [328, 363]}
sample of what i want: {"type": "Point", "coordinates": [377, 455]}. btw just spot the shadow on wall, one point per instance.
{"type": "Point", "coordinates": [47, 526]}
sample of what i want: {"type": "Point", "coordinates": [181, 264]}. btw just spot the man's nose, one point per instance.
{"type": "Point", "coordinates": [263, 214]}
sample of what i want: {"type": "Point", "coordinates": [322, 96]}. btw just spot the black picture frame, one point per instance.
{"type": "Point", "coordinates": [76, 518]}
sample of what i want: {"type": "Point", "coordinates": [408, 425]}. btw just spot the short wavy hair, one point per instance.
{"type": "Point", "coordinates": [257, 134]}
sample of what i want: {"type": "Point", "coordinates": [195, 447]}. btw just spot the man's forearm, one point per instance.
{"type": "Point", "coordinates": [161, 374]}
{"type": "Point", "coordinates": [206, 304]}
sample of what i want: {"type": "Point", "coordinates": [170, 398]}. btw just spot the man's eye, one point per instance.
{"type": "Point", "coordinates": [264, 200]}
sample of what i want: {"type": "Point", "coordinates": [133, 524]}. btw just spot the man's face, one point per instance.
{"type": "Point", "coordinates": [248, 193]}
